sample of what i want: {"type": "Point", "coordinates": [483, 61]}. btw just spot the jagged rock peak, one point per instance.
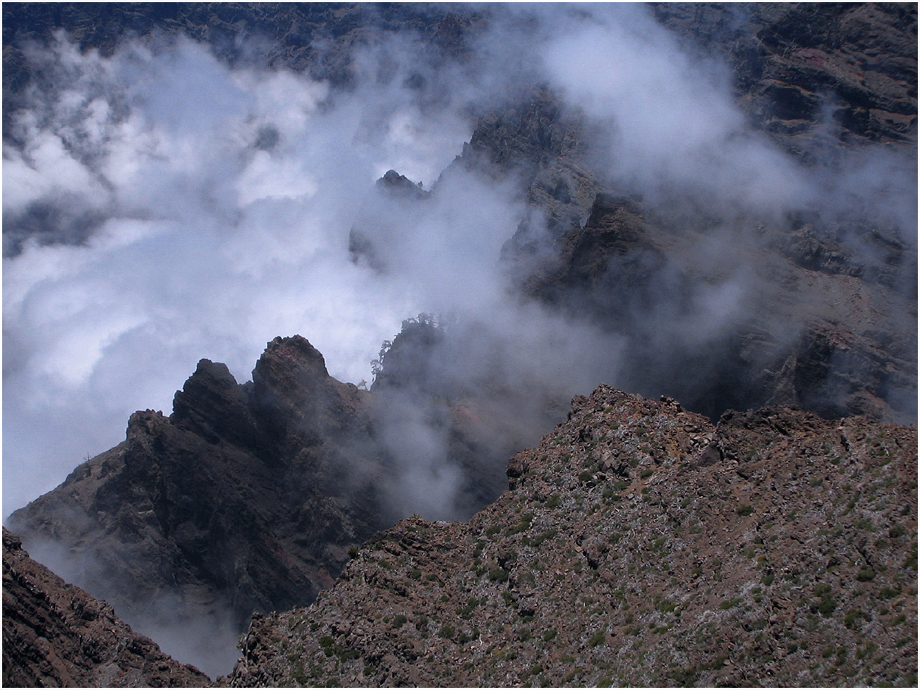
{"type": "Point", "coordinates": [293, 352]}
{"type": "Point", "coordinates": [401, 186]}
{"type": "Point", "coordinates": [57, 634]}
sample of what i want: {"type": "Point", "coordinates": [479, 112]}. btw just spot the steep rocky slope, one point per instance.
{"type": "Point", "coordinates": [56, 635]}
{"type": "Point", "coordinates": [248, 497]}
{"type": "Point", "coordinates": [808, 74]}
{"type": "Point", "coordinates": [639, 544]}
{"type": "Point", "coordinates": [244, 499]}
{"type": "Point", "coordinates": [813, 309]}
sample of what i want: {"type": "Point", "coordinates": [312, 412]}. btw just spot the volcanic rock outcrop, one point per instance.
{"type": "Point", "coordinates": [776, 547]}
{"type": "Point", "coordinates": [244, 499]}
{"type": "Point", "coordinates": [55, 634]}
{"type": "Point", "coordinates": [639, 544]}
{"type": "Point", "coordinates": [247, 498]}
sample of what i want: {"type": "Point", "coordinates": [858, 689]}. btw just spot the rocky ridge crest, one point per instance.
{"type": "Point", "coordinates": [240, 499]}
{"type": "Point", "coordinates": [639, 544]}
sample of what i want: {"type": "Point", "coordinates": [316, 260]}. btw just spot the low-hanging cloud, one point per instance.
{"type": "Point", "coordinates": [161, 207]}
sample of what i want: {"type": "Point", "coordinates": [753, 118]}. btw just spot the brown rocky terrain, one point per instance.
{"type": "Point", "coordinates": [830, 302]}
{"type": "Point", "coordinates": [808, 73]}
{"type": "Point", "coordinates": [639, 544]}
{"type": "Point", "coordinates": [56, 635]}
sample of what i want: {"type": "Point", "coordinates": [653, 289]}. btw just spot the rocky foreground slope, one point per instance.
{"type": "Point", "coordinates": [56, 635]}
{"type": "Point", "coordinates": [639, 544]}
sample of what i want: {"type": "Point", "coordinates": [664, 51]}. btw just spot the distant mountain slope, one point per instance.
{"type": "Point", "coordinates": [240, 501]}
{"type": "Point", "coordinates": [55, 634]}
{"type": "Point", "coordinates": [638, 545]}
{"type": "Point", "coordinates": [248, 497]}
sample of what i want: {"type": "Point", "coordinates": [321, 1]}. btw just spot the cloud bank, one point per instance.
{"type": "Point", "coordinates": [163, 207]}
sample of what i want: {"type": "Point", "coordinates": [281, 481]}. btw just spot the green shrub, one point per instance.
{"type": "Point", "coordinates": [827, 605]}
{"type": "Point", "coordinates": [645, 474]}
{"type": "Point", "coordinates": [896, 531]}
{"type": "Point", "coordinates": [399, 620]}
{"type": "Point", "coordinates": [498, 575]}
{"type": "Point", "coordinates": [744, 510]}
{"type": "Point", "coordinates": [852, 618]}
{"type": "Point", "coordinates": [730, 603]}
{"type": "Point", "coordinates": [889, 592]}
{"type": "Point", "coordinates": [597, 638]}
{"type": "Point", "coordinates": [446, 632]}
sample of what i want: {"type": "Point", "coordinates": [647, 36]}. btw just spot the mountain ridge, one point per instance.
{"type": "Point", "coordinates": [773, 548]}
{"type": "Point", "coordinates": [56, 634]}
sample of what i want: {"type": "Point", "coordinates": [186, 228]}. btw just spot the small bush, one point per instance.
{"type": "Point", "coordinates": [399, 620]}
{"type": "Point", "coordinates": [896, 531]}
{"type": "Point", "coordinates": [851, 620]}
{"type": "Point", "coordinates": [498, 575]}
{"type": "Point", "coordinates": [827, 605]}
{"type": "Point", "coordinates": [645, 474]}
{"type": "Point", "coordinates": [744, 510]}
{"type": "Point", "coordinates": [597, 638]}
{"type": "Point", "coordinates": [889, 592]}
{"type": "Point", "coordinates": [446, 632]}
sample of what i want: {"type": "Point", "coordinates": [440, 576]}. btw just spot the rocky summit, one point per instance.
{"type": "Point", "coordinates": [237, 502]}
{"type": "Point", "coordinates": [56, 635]}
{"type": "Point", "coordinates": [638, 544]}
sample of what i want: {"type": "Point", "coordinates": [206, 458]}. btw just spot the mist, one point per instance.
{"type": "Point", "coordinates": [161, 206]}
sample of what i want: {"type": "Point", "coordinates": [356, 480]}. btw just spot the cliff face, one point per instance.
{"type": "Point", "coordinates": [247, 498]}
{"type": "Point", "coordinates": [639, 544]}
{"type": "Point", "coordinates": [812, 308]}
{"type": "Point", "coordinates": [241, 499]}
{"type": "Point", "coordinates": [55, 634]}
